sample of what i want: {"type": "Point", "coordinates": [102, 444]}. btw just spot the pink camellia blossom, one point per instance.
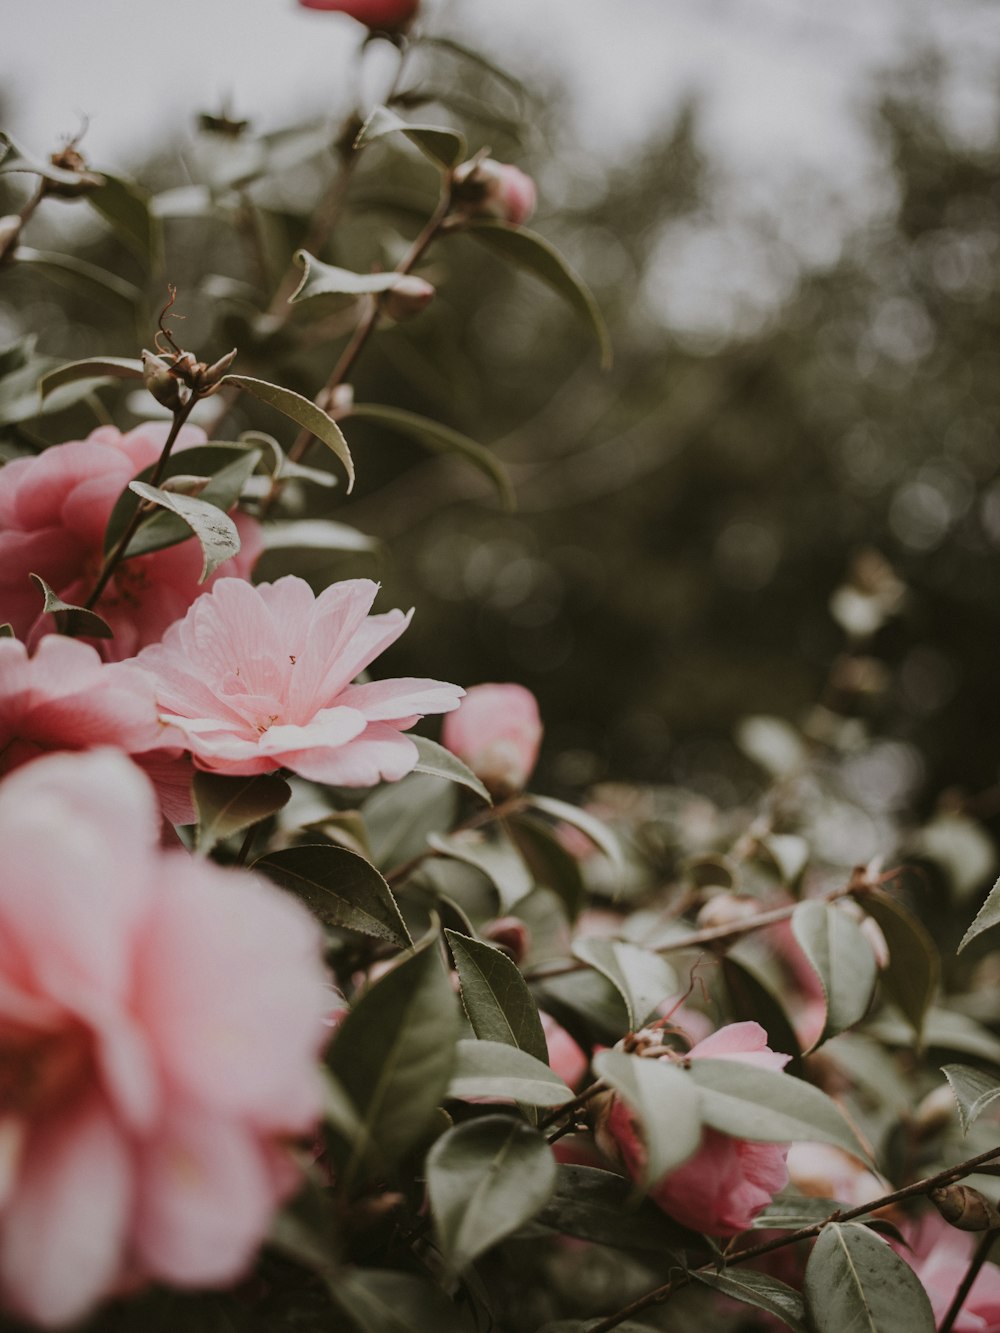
{"type": "Point", "coordinates": [939, 1254]}
{"type": "Point", "coordinates": [566, 1057]}
{"type": "Point", "coordinates": [497, 731]}
{"type": "Point", "coordinates": [721, 1189]}
{"type": "Point", "coordinates": [160, 1022]}
{"type": "Point", "coordinates": [378, 15]}
{"type": "Point", "coordinates": [54, 509]}
{"type": "Point", "coordinates": [258, 679]}
{"type": "Point", "coordinates": [63, 697]}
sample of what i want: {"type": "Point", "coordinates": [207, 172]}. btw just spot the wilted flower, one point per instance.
{"type": "Point", "coordinates": [54, 509]}
{"type": "Point", "coordinates": [160, 1020]}
{"type": "Point", "coordinates": [497, 731]}
{"type": "Point", "coordinates": [258, 679]}
{"type": "Point", "coordinates": [379, 15]}
{"type": "Point", "coordinates": [721, 1189]}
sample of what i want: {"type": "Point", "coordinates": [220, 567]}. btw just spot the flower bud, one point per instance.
{"type": "Point", "coordinates": [161, 381]}
{"type": "Point", "coordinates": [209, 377]}
{"type": "Point", "coordinates": [409, 297]}
{"type": "Point", "coordinates": [377, 15]}
{"type": "Point", "coordinates": [965, 1208]}
{"type": "Point", "coordinates": [497, 731]}
{"type": "Point", "coordinates": [485, 188]}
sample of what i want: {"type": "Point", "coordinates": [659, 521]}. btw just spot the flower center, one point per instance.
{"type": "Point", "coordinates": [41, 1071]}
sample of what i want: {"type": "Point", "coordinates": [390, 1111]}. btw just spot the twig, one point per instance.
{"type": "Point", "coordinates": [965, 1286]}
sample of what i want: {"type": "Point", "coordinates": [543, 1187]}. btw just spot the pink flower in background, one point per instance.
{"type": "Point", "coordinates": [566, 1057]}
{"type": "Point", "coordinates": [54, 509]}
{"type": "Point", "coordinates": [722, 1188]}
{"type": "Point", "coordinates": [379, 15]}
{"type": "Point", "coordinates": [826, 1172]}
{"type": "Point", "coordinates": [940, 1257]}
{"type": "Point", "coordinates": [160, 1020]}
{"type": "Point", "coordinates": [63, 697]}
{"type": "Point", "coordinates": [258, 679]}
{"type": "Point", "coordinates": [497, 731]}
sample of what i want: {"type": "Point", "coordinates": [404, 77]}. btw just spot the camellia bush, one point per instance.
{"type": "Point", "coordinates": [312, 1021]}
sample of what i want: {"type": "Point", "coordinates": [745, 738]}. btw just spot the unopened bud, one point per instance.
{"type": "Point", "coordinates": [72, 160]}
{"type": "Point", "coordinates": [210, 377]}
{"type": "Point", "coordinates": [965, 1208]}
{"type": "Point", "coordinates": [10, 230]}
{"type": "Point", "coordinates": [482, 187]}
{"type": "Point", "coordinates": [407, 298]}
{"type": "Point", "coordinates": [727, 909]}
{"type": "Point", "coordinates": [510, 934]}
{"type": "Point", "coordinates": [162, 382]}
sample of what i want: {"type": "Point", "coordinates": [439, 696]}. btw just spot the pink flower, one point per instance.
{"type": "Point", "coordinates": [258, 679]}
{"type": "Point", "coordinates": [63, 697]}
{"type": "Point", "coordinates": [497, 731]}
{"type": "Point", "coordinates": [566, 1058]}
{"type": "Point", "coordinates": [379, 15]}
{"type": "Point", "coordinates": [494, 189]}
{"type": "Point", "coordinates": [160, 1020]}
{"type": "Point", "coordinates": [722, 1188]}
{"type": "Point", "coordinates": [54, 509]}
{"type": "Point", "coordinates": [940, 1257]}
{"type": "Point", "coordinates": [826, 1172]}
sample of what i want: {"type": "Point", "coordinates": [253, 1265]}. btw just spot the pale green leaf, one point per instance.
{"type": "Point", "coordinates": [667, 1105]}
{"type": "Point", "coordinates": [443, 146]}
{"type": "Point", "coordinates": [643, 979]}
{"type": "Point", "coordinates": [215, 530]}
{"type": "Point", "coordinates": [842, 959]}
{"type": "Point", "coordinates": [496, 1069]}
{"type": "Point", "coordinates": [303, 412]}
{"type": "Point", "coordinates": [855, 1281]}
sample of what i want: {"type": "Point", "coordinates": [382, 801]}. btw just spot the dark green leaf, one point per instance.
{"type": "Point", "coordinates": [319, 279]}
{"type": "Point", "coordinates": [532, 252]}
{"type": "Point", "coordinates": [380, 1301]}
{"type": "Point", "coordinates": [338, 1110]}
{"type": "Point", "coordinates": [440, 440]}
{"type": "Point", "coordinates": [340, 887]}
{"type": "Point", "coordinates": [93, 368]}
{"type": "Point", "coordinates": [303, 412]}
{"type": "Point", "coordinates": [856, 1281]}
{"type": "Point", "coordinates": [126, 206]}
{"type": "Point", "coordinates": [843, 961]}
{"type": "Point", "coordinates": [587, 1004]}
{"type": "Point", "coordinates": [496, 997]}
{"type": "Point", "coordinates": [602, 1207]}
{"type": "Point", "coordinates": [761, 1291]}
{"type": "Point", "coordinates": [485, 1179]}
{"type": "Point", "coordinates": [441, 763]}
{"type": "Point", "coordinates": [444, 147]}
{"type": "Point", "coordinates": [400, 816]}
{"type": "Point", "coordinates": [77, 273]}
{"type": "Point", "coordinates": [474, 58]}
{"type": "Point", "coordinates": [975, 1092]}
{"type": "Point", "coordinates": [943, 1028]}
{"type": "Point", "coordinates": [987, 917]}
{"type": "Point", "coordinates": [793, 1213]}
{"type": "Point", "coordinates": [548, 860]}
{"type": "Point", "coordinates": [643, 979]}
{"type": "Point", "coordinates": [753, 999]}
{"type": "Point", "coordinates": [74, 621]}
{"type": "Point", "coordinates": [768, 1107]}
{"type": "Point", "coordinates": [307, 1230]}
{"type": "Point", "coordinates": [393, 1055]}
{"type": "Point", "coordinates": [215, 530]}
{"type": "Point", "coordinates": [228, 805]}
{"type": "Point", "coordinates": [603, 838]}
{"type": "Point", "coordinates": [650, 1087]}
{"type": "Point", "coordinates": [495, 1069]}
{"type": "Point", "coordinates": [496, 858]}
{"type": "Point", "coordinates": [911, 979]}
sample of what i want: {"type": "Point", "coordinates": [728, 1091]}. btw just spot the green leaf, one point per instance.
{"type": "Point", "coordinates": [496, 858]}
{"type": "Point", "coordinates": [552, 866]}
{"type": "Point", "coordinates": [530, 251]}
{"type": "Point", "coordinates": [752, 998]}
{"type": "Point", "coordinates": [495, 1069]}
{"type": "Point", "coordinates": [401, 816]}
{"type": "Point", "coordinates": [643, 979]}
{"type": "Point", "coordinates": [943, 1028]}
{"type": "Point", "coordinates": [319, 279]}
{"type": "Point", "coordinates": [77, 273]}
{"type": "Point", "coordinates": [603, 1207]}
{"type": "Point", "coordinates": [603, 838]}
{"type": "Point", "coordinates": [986, 918]}
{"type": "Point", "coordinates": [13, 157]}
{"type": "Point", "coordinates": [768, 1107]}
{"type": "Point", "coordinates": [228, 805]}
{"type": "Point", "coordinates": [440, 440]}
{"type": "Point", "coordinates": [125, 205]}
{"type": "Point", "coordinates": [215, 530]}
{"type": "Point", "coordinates": [444, 147]}
{"type": "Point", "coordinates": [911, 979]}
{"type": "Point", "coordinates": [381, 1301]}
{"type": "Point", "coordinates": [485, 1179]}
{"type": "Point", "coordinates": [666, 1104]}
{"type": "Point", "coordinates": [92, 368]}
{"type": "Point", "coordinates": [338, 1110]}
{"type": "Point", "coordinates": [441, 763]}
{"type": "Point", "coordinates": [496, 997]}
{"type": "Point", "coordinates": [225, 464]}
{"type": "Point", "coordinates": [761, 1291]}
{"type": "Point", "coordinates": [587, 1004]}
{"type": "Point", "coordinates": [474, 58]}
{"type": "Point", "coordinates": [975, 1092]}
{"type": "Point", "coordinates": [73, 621]}
{"type": "Point", "coordinates": [340, 887]}
{"type": "Point", "coordinates": [842, 959]}
{"type": "Point", "coordinates": [303, 413]}
{"type": "Point", "coordinates": [856, 1281]}
{"type": "Point", "coordinates": [393, 1055]}
{"type": "Point", "coordinates": [793, 1213]}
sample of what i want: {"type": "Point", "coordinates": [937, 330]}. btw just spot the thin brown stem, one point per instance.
{"type": "Point", "coordinates": [965, 1286]}
{"type": "Point", "coordinates": [115, 555]}
{"type": "Point", "coordinates": [660, 1294]}
{"type": "Point", "coordinates": [9, 244]}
